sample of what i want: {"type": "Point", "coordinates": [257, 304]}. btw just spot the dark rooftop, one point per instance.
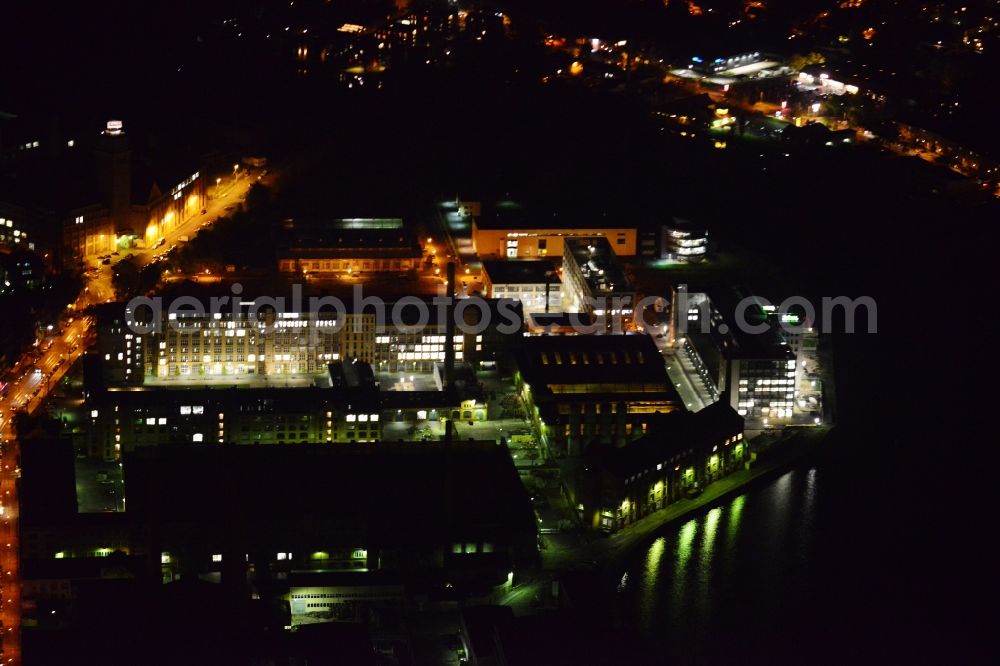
{"type": "Point", "coordinates": [740, 343]}
{"type": "Point", "coordinates": [353, 374]}
{"type": "Point", "coordinates": [521, 272]}
{"type": "Point", "coordinates": [599, 265]}
{"type": "Point", "coordinates": [509, 215]}
{"type": "Point", "coordinates": [593, 359]}
{"type": "Point", "coordinates": [671, 434]}
{"type": "Point", "coordinates": [292, 400]}
{"type": "Point", "coordinates": [349, 238]}
{"type": "Point", "coordinates": [383, 494]}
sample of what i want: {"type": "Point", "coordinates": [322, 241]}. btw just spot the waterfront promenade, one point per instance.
{"type": "Point", "coordinates": [581, 551]}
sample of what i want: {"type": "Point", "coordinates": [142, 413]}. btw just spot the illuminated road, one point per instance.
{"type": "Point", "coordinates": [35, 377]}
{"type": "Point", "coordinates": [29, 384]}
{"type": "Point", "coordinates": [227, 198]}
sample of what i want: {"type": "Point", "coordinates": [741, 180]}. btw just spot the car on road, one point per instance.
{"type": "Point", "coordinates": [105, 262]}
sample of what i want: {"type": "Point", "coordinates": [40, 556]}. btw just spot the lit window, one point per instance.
{"type": "Point", "coordinates": [197, 437]}
{"type": "Point", "coordinates": [217, 557]}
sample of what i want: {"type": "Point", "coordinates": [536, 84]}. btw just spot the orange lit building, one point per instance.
{"type": "Point", "coordinates": [132, 208]}
{"type": "Point", "coordinates": [508, 235]}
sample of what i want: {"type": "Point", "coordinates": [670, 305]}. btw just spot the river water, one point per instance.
{"type": "Point", "coordinates": [831, 562]}
{"type": "Point", "coordinates": [730, 574]}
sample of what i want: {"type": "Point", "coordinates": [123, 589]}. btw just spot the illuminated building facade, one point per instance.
{"type": "Point", "coordinates": [121, 218]}
{"type": "Point", "coordinates": [121, 421]}
{"type": "Point", "coordinates": [119, 349]}
{"type": "Point", "coordinates": [91, 233]}
{"type": "Point", "coordinates": [164, 213]}
{"type": "Point", "coordinates": [683, 452]}
{"type": "Point", "coordinates": [521, 239]}
{"type": "Point", "coordinates": [289, 344]}
{"type": "Point", "coordinates": [760, 367]}
{"type": "Point", "coordinates": [206, 348]}
{"type": "Point", "coordinates": [535, 283]}
{"type": "Point", "coordinates": [684, 243]}
{"type": "Point", "coordinates": [594, 281]}
{"type": "Point", "coordinates": [13, 234]}
{"type": "Point", "coordinates": [587, 389]}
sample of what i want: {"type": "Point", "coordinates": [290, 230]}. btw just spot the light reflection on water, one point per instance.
{"type": "Point", "coordinates": [704, 584]}
{"type": "Point", "coordinates": [739, 557]}
{"type": "Point", "coordinates": [649, 588]}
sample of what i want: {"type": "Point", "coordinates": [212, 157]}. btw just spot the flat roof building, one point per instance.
{"type": "Point", "coordinates": [348, 246]}
{"type": "Point", "coordinates": [202, 348]}
{"type": "Point", "coordinates": [436, 506]}
{"type": "Point", "coordinates": [509, 232]}
{"type": "Point", "coordinates": [270, 522]}
{"type": "Point", "coordinates": [122, 421]}
{"type": "Point", "coordinates": [594, 281]}
{"type": "Point", "coordinates": [754, 370]}
{"type": "Point", "coordinates": [586, 389]}
{"type": "Point", "coordinates": [535, 283]}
